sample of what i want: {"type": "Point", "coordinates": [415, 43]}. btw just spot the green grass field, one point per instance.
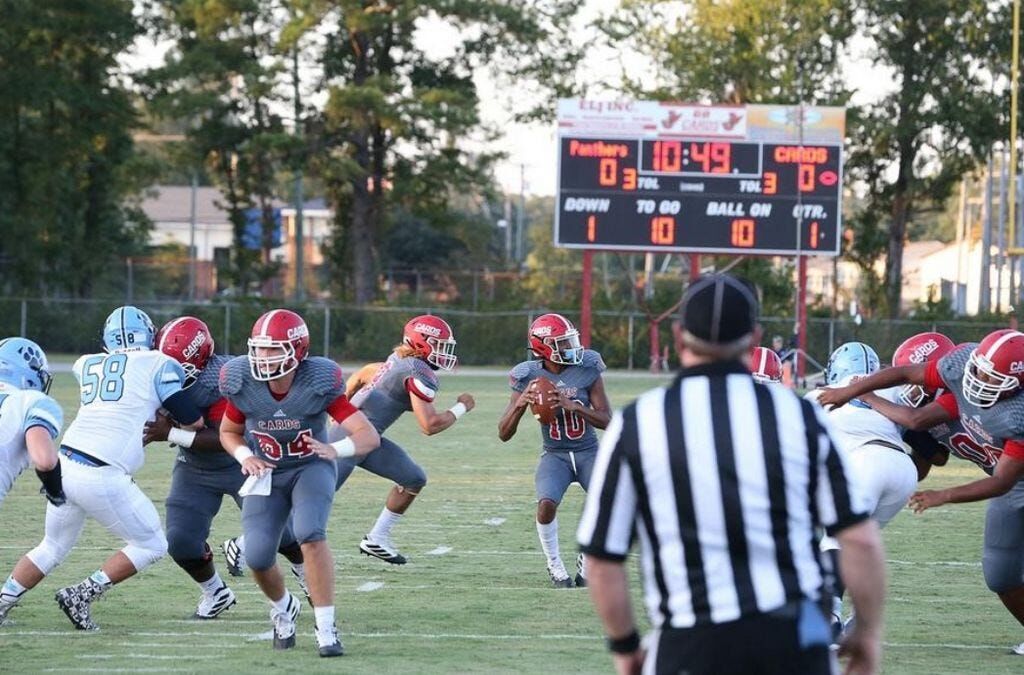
{"type": "Point", "coordinates": [475, 596]}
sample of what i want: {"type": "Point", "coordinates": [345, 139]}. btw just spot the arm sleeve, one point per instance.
{"type": "Point", "coordinates": [841, 499]}
{"type": "Point", "coordinates": [340, 408]}
{"type": "Point", "coordinates": [932, 379]}
{"type": "Point", "coordinates": [46, 413]}
{"type": "Point", "coordinates": [949, 404]}
{"type": "Point", "coordinates": [182, 408]}
{"type": "Point", "coordinates": [609, 515]}
{"type": "Point", "coordinates": [233, 413]}
{"type": "Point", "coordinates": [1014, 449]}
{"type": "Point", "coordinates": [923, 443]}
{"type": "Point", "coordinates": [168, 380]}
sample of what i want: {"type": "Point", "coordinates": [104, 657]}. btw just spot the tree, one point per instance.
{"type": "Point", "coordinates": [68, 173]}
{"type": "Point", "coordinates": [735, 51]}
{"type": "Point", "coordinates": [914, 145]}
{"type": "Point", "coordinates": [225, 81]}
{"type": "Point", "coordinates": [400, 112]}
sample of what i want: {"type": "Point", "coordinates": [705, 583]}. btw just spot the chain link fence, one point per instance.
{"type": "Point", "coordinates": [485, 338]}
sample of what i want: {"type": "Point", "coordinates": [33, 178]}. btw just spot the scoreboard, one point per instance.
{"type": "Point", "coordinates": [717, 179]}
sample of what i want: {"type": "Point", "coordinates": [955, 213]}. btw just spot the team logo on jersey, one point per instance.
{"type": "Point", "coordinates": [300, 331]}
{"type": "Point", "coordinates": [193, 347]}
{"type": "Point", "coordinates": [922, 351]}
{"type": "Point", "coordinates": [278, 425]}
{"type": "Point", "coordinates": [973, 425]}
{"type": "Point", "coordinates": [569, 392]}
{"type": "Point", "coordinates": [426, 329]}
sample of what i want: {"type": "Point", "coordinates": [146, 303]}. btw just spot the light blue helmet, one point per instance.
{"type": "Point", "coordinates": [127, 329]}
{"type": "Point", "coordinates": [23, 365]}
{"type": "Point", "coordinates": [851, 358]}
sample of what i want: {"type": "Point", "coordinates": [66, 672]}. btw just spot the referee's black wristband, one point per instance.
{"type": "Point", "coordinates": [625, 645]}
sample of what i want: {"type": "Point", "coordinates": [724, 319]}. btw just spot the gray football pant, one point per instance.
{"type": "Point", "coordinates": [556, 471]}
{"type": "Point", "coordinates": [304, 492]}
{"type": "Point", "coordinates": [388, 461]}
{"type": "Point", "coordinates": [1003, 558]}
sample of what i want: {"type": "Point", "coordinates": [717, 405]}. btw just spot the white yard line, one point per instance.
{"type": "Point", "coordinates": [370, 586]}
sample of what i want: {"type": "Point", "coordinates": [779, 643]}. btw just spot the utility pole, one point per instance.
{"type": "Point", "coordinates": [521, 216]}
{"type": "Point", "coordinates": [300, 286]}
{"type": "Point", "coordinates": [985, 291]}
{"type": "Point", "coordinates": [192, 237]}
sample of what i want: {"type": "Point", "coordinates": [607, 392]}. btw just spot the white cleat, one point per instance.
{"type": "Point", "coordinates": [559, 576]}
{"type": "Point", "coordinates": [383, 549]}
{"type": "Point", "coordinates": [234, 557]}
{"type": "Point", "coordinates": [1018, 650]}
{"type": "Point", "coordinates": [284, 623]}
{"type": "Point", "coordinates": [212, 605]}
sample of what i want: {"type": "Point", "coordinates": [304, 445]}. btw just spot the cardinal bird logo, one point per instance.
{"type": "Point", "coordinates": [733, 120]}
{"type": "Point", "coordinates": [671, 120]}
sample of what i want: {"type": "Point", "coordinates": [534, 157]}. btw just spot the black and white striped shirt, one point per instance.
{"type": "Point", "coordinates": [724, 481]}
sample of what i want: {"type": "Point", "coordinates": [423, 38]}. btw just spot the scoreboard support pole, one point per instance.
{"type": "Point", "coordinates": [694, 266]}
{"type": "Point", "coordinates": [801, 316]}
{"type": "Point", "coordinates": [588, 269]}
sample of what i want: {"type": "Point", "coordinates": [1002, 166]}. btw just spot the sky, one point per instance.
{"type": "Point", "coordinates": [531, 162]}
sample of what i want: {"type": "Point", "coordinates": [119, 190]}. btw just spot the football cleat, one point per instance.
{"type": "Point", "coordinates": [234, 557]}
{"type": "Point", "coordinates": [5, 608]}
{"type": "Point", "coordinates": [328, 643]}
{"type": "Point", "coordinates": [1018, 650]}
{"type": "Point", "coordinates": [76, 603]}
{"type": "Point", "coordinates": [212, 605]}
{"type": "Point", "coordinates": [581, 572]}
{"type": "Point", "coordinates": [284, 623]}
{"type": "Point", "coordinates": [300, 576]}
{"type": "Point", "coordinates": [559, 577]}
{"type": "Point", "coordinates": [383, 549]}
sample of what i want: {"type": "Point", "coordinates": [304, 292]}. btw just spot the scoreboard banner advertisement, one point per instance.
{"type": "Point", "coordinates": [652, 176]}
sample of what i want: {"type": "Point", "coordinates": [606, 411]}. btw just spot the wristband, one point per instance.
{"type": "Point", "coordinates": [345, 447]}
{"type": "Point", "coordinates": [242, 453]}
{"type": "Point", "coordinates": [459, 409]}
{"type": "Point", "coordinates": [183, 438]}
{"type": "Point", "coordinates": [624, 645]}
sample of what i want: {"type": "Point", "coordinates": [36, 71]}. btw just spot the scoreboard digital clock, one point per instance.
{"type": "Point", "coordinates": [699, 178]}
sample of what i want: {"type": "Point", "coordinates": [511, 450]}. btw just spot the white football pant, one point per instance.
{"type": "Point", "coordinates": [110, 497]}
{"type": "Point", "coordinates": [887, 476]}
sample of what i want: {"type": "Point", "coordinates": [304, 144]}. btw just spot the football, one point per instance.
{"type": "Point", "coordinates": [547, 394]}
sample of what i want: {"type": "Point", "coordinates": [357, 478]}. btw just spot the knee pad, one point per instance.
{"type": "Point", "coordinates": [260, 552]}
{"type": "Point", "coordinates": [190, 564]}
{"type": "Point", "coordinates": [1002, 568]}
{"type": "Point", "coordinates": [183, 544]}
{"type": "Point", "coordinates": [309, 533]}
{"type": "Point", "coordinates": [415, 482]}
{"type": "Point", "coordinates": [414, 491]}
{"type": "Point", "coordinates": [48, 554]}
{"type": "Point", "coordinates": [145, 553]}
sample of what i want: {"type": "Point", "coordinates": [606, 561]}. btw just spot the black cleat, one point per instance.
{"type": "Point", "coordinates": [76, 602]}
{"type": "Point", "coordinates": [284, 623]}
{"type": "Point", "coordinates": [328, 643]}
{"type": "Point", "coordinates": [382, 549]}
{"type": "Point", "coordinates": [559, 577]}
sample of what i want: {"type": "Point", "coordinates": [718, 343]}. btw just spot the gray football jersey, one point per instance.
{"type": "Point", "coordinates": [205, 391]}
{"type": "Point", "coordinates": [569, 432]}
{"type": "Point", "coordinates": [984, 430]}
{"type": "Point", "coordinates": [277, 430]}
{"type": "Point", "coordinates": [386, 396]}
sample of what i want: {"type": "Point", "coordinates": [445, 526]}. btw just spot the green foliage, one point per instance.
{"type": "Point", "coordinates": [914, 145]}
{"type": "Point", "coordinates": [66, 156]}
{"type": "Point", "coordinates": [736, 51]}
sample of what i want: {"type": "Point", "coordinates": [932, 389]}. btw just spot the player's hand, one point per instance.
{"type": "Point", "coordinates": [59, 499]}
{"type": "Point", "coordinates": [321, 449]}
{"type": "Point", "coordinates": [629, 664]}
{"type": "Point", "coordinates": [864, 651]}
{"type": "Point", "coordinates": [156, 429]}
{"type": "Point", "coordinates": [834, 396]}
{"type": "Point", "coordinates": [528, 397]}
{"type": "Point", "coordinates": [565, 403]}
{"type": "Point", "coordinates": [466, 400]}
{"type": "Point", "coordinates": [927, 499]}
{"type": "Point", "coordinates": [254, 466]}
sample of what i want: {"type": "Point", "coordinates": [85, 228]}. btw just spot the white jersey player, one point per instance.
{"type": "Point", "coordinates": [119, 391]}
{"type": "Point", "coordinates": [30, 420]}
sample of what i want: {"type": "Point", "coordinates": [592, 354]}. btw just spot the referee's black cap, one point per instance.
{"type": "Point", "coordinates": [719, 309]}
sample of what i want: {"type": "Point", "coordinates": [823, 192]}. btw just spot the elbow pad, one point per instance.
{"type": "Point", "coordinates": [52, 485]}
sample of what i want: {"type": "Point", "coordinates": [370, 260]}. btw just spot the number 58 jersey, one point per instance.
{"type": "Point", "coordinates": [569, 432]}
{"type": "Point", "coordinates": [119, 393]}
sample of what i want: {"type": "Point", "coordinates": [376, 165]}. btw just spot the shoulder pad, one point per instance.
{"type": "Point", "coordinates": [592, 359]}
{"type": "Point", "coordinates": [522, 373]}
{"type": "Point", "coordinates": [422, 371]}
{"type": "Point", "coordinates": [233, 374]}
{"type": "Point", "coordinates": [952, 365]}
{"type": "Point", "coordinates": [324, 376]}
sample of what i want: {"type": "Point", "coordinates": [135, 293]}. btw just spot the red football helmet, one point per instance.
{"type": "Point", "coordinates": [432, 338]}
{"type": "Point", "coordinates": [765, 366]}
{"type": "Point", "coordinates": [188, 341]}
{"type": "Point", "coordinates": [915, 350]}
{"type": "Point", "coordinates": [553, 337]}
{"type": "Point", "coordinates": [283, 331]}
{"type": "Point", "coordinates": [994, 368]}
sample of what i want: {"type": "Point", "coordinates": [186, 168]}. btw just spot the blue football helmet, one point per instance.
{"type": "Point", "coordinates": [128, 329]}
{"type": "Point", "coordinates": [23, 365]}
{"type": "Point", "coordinates": [851, 358]}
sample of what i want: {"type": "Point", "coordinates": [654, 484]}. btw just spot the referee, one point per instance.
{"type": "Point", "coordinates": [726, 482]}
